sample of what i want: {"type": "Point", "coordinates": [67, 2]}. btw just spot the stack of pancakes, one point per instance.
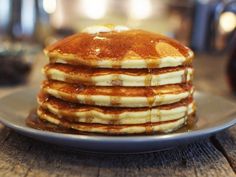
{"type": "Point", "coordinates": [113, 80]}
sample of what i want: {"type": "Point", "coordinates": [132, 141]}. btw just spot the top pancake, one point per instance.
{"type": "Point", "coordinates": [120, 49]}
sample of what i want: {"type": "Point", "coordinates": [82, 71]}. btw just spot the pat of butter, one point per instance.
{"type": "Point", "coordinates": [104, 28]}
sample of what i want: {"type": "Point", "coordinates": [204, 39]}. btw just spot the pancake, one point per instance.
{"type": "Point", "coordinates": [163, 127]}
{"type": "Point", "coordinates": [117, 81]}
{"type": "Point", "coordinates": [118, 96]}
{"type": "Point", "coordinates": [120, 49]}
{"type": "Point", "coordinates": [103, 115]}
{"type": "Point", "coordinates": [117, 77]}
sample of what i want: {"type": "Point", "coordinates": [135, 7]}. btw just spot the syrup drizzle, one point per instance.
{"type": "Point", "coordinates": [115, 119]}
{"type": "Point", "coordinates": [186, 106]}
{"type": "Point", "coordinates": [159, 115]}
{"type": "Point", "coordinates": [148, 79]}
{"type": "Point", "coordinates": [185, 75]}
{"type": "Point", "coordinates": [90, 48]}
{"type": "Point", "coordinates": [116, 80]}
{"type": "Point", "coordinates": [150, 100]}
{"type": "Point", "coordinates": [115, 100]}
{"type": "Point", "coordinates": [88, 100]}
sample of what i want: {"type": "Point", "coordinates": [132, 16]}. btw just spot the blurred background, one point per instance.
{"type": "Point", "coordinates": [206, 26]}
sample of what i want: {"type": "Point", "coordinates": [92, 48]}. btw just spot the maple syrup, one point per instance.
{"type": "Point", "coordinates": [116, 45]}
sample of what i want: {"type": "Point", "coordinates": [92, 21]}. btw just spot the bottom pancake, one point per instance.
{"type": "Point", "coordinates": [163, 127]}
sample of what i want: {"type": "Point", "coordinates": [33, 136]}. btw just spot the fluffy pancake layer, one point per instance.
{"type": "Point", "coordinates": [165, 127]}
{"type": "Point", "coordinates": [117, 77]}
{"type": "Point", "coordinates": [103, 115]}
{"type": "Point", "coordinates": [125, 49]}
{"type": "Point", "coordinates": [118, 96]}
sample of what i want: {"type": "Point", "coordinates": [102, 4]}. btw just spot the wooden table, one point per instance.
{"type": "Point", "coordinates": [215, 156]}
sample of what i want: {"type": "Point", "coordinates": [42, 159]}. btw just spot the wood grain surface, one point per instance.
{"type": "Point", "coordinates": [215, 156]}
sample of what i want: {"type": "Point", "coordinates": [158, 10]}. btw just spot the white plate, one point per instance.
{"type": "Point", "coordinates": [214, 114]}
